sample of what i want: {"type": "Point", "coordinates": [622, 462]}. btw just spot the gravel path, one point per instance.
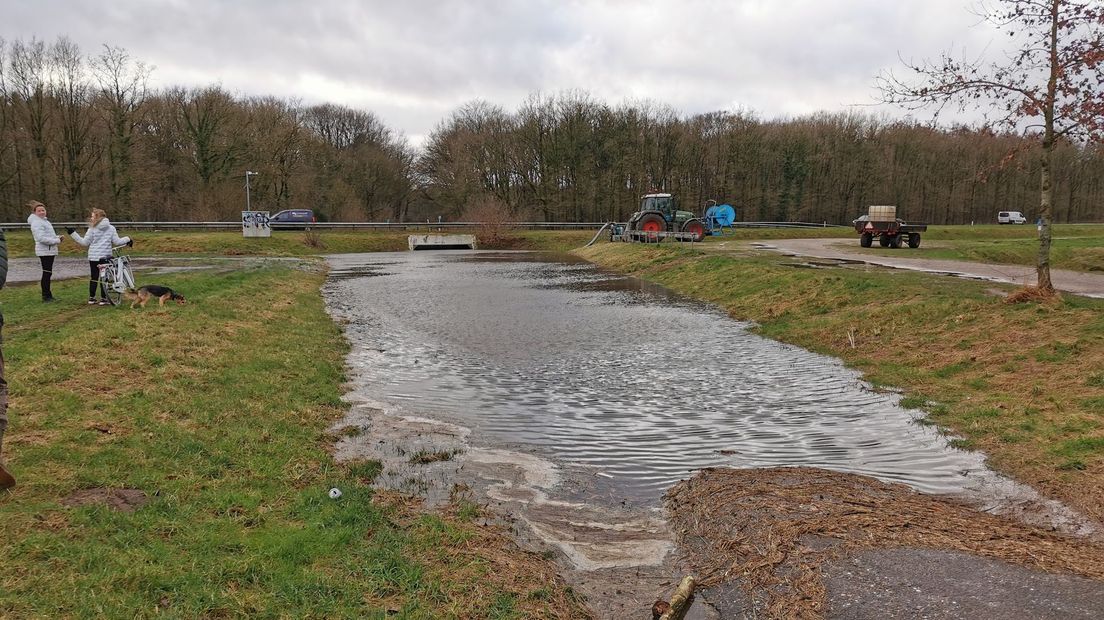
{"type": "Point", "coordinates": [1078, 282]}
{"type": "Point", "coordinates": [24, 270]}
{"type": "Point", "coordinates": [30, 270]}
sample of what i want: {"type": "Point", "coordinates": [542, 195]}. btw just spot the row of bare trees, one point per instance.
{"type": "Point", "coordinates": [79, 131]}
{"type": "Point", "coordinates": [567, 156]}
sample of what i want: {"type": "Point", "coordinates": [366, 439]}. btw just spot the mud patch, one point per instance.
{"type": "Point", "coordinates": [618, 557]}
{"type": "Point", "coordinates": [774, 528]}
{"type": "Point", "coordinates": [427, 457]}
{"type": "Point", "coordinates": [123, 500]}
{"type": "Point", "coordinates": [488, 559]}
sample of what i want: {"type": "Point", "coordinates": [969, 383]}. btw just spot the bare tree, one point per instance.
{"type": "Point", "coordinates": [1052, 83]}
{"type": "Point", "coordinates": [345, 128]}
{"type": "Point", "coordinates": [124, 88]}
{"type": "Point", "coordinates": [78, 147]}
{"type": "Point", "coordinates": [29, 80]}
{"type": "Point", "coordinates": [9, 153]}
{"type": "Point", "coordinates": [213, 126]}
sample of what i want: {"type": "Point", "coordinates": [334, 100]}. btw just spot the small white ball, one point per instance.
{"type": "Point", "coordinates": [335, 493]}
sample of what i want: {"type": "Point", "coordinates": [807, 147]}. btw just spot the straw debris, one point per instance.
{"type": "Point", "coordinates": [774, 528]}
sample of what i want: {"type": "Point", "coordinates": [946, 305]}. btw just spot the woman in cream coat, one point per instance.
{"type": "Point", "coordinates": [46, 245]}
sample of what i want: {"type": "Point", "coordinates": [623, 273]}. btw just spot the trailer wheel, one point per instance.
{"type": "Point", "coordinates": [895, 242]}
{"type": "Point", "coordinates": [914, 240]}
{"type": "Point", "coordinates": [866, 240]}
{"type": "Point", "coordinates": [883, 240]}
{"type": "Point", "coordinates": [652, 222]}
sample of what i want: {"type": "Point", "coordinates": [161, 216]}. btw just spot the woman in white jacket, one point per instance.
{"type": "Point", "coordinates": [46, 245]}
{"type": "Point", "coordinates": [99, 239]}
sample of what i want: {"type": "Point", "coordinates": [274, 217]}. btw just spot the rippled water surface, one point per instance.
{"type": "Point", "coordinates": [613, 376]}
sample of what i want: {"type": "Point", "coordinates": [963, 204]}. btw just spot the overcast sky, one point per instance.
{"type": "Point", "coordinates": [412, 62]}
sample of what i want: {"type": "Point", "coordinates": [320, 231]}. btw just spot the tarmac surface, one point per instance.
{"type": "Point", "coordinates": [26, 270]}
{"type": "Point", "coordinates": [30, 269]}
{"type": "Point", "coordinates": [926, 583]}
{"type": "Point", "coordinates": [1077, 282]}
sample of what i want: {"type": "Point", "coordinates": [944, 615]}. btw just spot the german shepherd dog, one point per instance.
{"type": "Point", "coordinates": [152, 291]}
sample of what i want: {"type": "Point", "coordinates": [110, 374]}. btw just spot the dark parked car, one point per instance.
{"type": "Point", "coordinates": [293, 218]}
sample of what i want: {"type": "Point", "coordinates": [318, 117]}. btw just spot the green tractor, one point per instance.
{"type": "Point", "coordinates": [659, 213]}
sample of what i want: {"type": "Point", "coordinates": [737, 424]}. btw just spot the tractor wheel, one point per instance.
{"type": "Point", "coordinates": [883, 240]}
{"type": "Point", "coordinates": [695, 227]}
{"type": "Point", "coordinates": [651, 222]}
{"type": "Point", "coordinates": [895, 242]}
{"type": "Point", "coordinates": [866, 240]}
{"type": "Point", "coordinates": [914, 240]}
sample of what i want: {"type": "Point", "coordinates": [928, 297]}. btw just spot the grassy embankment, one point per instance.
{"type": "Point", "coordinates": [218, 411]}
{"type": "Point", "coordinates": [292, 243]}
{"type": "Point", "coordinates": [1024, 383]}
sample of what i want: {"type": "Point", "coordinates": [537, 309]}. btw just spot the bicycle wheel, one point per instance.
{"type": "Point", "coordinates": [108, 286]}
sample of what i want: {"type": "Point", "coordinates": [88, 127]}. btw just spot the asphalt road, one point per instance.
{"type": "Point", "coordinates": [1078, 282]}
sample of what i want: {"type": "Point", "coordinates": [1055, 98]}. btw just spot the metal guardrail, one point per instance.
{"type": "Point", "coordinates": [236, 225]}
{"type": "Point", "coordinates": [786, 225]}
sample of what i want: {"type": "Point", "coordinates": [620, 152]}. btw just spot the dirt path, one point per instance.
{"type": "Point", "coordinates": [24, 270]}
{"type": "Point", "coordinates": [1081, 283]}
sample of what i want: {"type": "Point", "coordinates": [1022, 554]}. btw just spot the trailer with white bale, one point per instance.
{"type": "Point", "coordinates": [881, 221]}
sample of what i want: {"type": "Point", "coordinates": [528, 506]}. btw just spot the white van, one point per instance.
{"type": "Point", "coordinates": [1011, 217]}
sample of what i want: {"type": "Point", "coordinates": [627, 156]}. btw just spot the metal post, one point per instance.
{"type": "Point", "coordinates": [248, 174]}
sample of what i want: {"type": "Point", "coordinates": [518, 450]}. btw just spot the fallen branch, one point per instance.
{"type": "Point", "coordinates": [680, 601]}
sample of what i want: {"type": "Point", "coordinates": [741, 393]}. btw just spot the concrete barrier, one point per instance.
{"type": "Point", "coordinates": [441, 242]}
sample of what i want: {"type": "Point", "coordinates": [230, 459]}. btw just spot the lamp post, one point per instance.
{"type": "Point", "coordinates": [248, 173]}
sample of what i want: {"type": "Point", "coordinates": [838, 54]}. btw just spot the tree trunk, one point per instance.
{"type": "Point", "coordinates": [1045, 200]}
{"type": "Point", "coordinates": [1047, 192]}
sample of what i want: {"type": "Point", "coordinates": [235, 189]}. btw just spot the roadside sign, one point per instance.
{"type": "Point", "coordinates": [256, 224]}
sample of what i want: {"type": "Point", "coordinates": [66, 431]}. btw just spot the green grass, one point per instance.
{"type": "Point", "coordinates": [294, 243]}
{"type": "Point", "coordinates": [217, 410]}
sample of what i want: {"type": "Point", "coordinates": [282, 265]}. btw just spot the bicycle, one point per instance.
{"type": "Point", "coordinates": [116, 277]}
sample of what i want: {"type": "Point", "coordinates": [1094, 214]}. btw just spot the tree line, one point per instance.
{"type": "Point", "coordinates": [566, 156]}
{"type": "Point", "coordinates": [84, 130]}
{"type": "Point", "coordinates": [79, 131]}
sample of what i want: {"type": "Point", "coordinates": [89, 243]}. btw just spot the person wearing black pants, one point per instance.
{"type": "Point", "coordinates": [46, 245]}
{"type": "Point", "coordinates": [47, 273]}
{"type": "Point", "coordinates": [94, 279]}
{"type": "Point", "coordinates": [99, 239]}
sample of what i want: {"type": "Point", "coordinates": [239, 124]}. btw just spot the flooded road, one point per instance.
{"type": "Point", "coordinates": [575, 397]}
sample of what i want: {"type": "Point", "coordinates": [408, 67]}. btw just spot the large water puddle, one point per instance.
{"type": "Point", "coordinates": [576, 397]}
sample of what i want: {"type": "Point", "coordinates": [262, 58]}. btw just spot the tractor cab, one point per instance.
{"type": "Point", "coordinates": [666, 205]}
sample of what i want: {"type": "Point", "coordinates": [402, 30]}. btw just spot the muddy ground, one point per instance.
{"type": "Point", "coordinates": [619, 558]}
